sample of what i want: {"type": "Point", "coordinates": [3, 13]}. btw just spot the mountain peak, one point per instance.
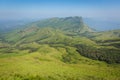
{"type": "Point", "coordinates": [74, 17]}
{"type": "Point", "coordinates": [72, 24]}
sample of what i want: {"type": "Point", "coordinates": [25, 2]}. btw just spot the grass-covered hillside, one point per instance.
{"type": "Point", "coordinates": [47, 64]}
{"type": "Point", "coordinates": [59, 49]}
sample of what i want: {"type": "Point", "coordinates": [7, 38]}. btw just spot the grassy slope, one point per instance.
{"type": "Point", "coordinates": [45, 35]}
{"type": "Point", "coordinates": [47, 65]}
{"type": "Point", "coordinates": [53, 53]}
{"type": "Point", "coordinates": [106, 35]}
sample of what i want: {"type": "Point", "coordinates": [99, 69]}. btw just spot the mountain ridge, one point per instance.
{"type": "Point", "coordinates": [67, 23]}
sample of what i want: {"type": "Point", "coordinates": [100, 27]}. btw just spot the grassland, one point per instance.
{"type": "Point", "coordinates": [59, 49]}
{"type": "Point", "coordinates": [47, 65]}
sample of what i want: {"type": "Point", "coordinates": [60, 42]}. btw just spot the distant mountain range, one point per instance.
{"type": "Point", "coordinates": [102, 25]}
{"type": "Point", "coordinates": [9, 25]}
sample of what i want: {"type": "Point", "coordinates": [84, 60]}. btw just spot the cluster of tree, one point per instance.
{"type": "Point", "coordinates": [102, 54]}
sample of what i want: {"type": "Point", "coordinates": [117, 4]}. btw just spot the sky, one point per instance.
{"type": "Point", "coordinates": [37, 9]}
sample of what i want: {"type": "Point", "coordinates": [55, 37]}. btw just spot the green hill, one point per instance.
{"type": "Point", "coordinates": [72, 24]}
{"type": "Point", "coordinates": [59, 49]}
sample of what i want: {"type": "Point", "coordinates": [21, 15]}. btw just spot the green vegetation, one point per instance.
{"type": "Point", "coordinates": [59, 49]}
{"type": "Point", "coordinates": [47, 65]}
{"type": "Point", "coordinates": [102, 54]}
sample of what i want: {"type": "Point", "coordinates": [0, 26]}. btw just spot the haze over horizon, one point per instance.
{"type": "Point", "coordinates": [37, 9]}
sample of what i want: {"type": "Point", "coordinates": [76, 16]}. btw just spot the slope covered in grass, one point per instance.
{"type": "Point", "coordinates": [59, 49]}
{"type": "Point", "coordinates": [47, 65]}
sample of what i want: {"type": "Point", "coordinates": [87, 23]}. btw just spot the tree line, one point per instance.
{"type": "Point", "coordinates": [102, 54]}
